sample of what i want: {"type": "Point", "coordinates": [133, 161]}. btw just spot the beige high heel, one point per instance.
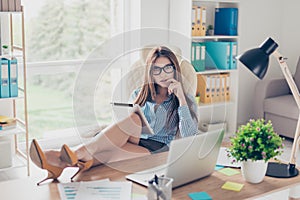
{"type": "Point", "coordinates": [70, 157]}
{"type": "Point", "coordinates": [38, 157]}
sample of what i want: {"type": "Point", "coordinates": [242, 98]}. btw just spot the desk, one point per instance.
{"type": "Point", "coordinates": [21, 188]}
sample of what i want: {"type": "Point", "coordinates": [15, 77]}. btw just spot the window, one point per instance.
{"type": "Point", "coordinates": [60, 34]}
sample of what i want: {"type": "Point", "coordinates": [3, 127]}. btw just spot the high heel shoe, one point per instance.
{"type": "Point", "coordinates": [70, 157]}
{"type": "Point", "coordinates": [39, 158]}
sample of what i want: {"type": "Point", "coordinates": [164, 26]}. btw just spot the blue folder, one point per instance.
{"type": "Point", "coordinates": [219, 52]}
{"type": "Point", "coordinates": [226, 21]}
{"type": "Point", "coordinates": [198, 56]}
{"type": "Point", "coordinates": [13, 76]}
{"type": "Point", "coordinates": [4, 78]}
{"type": "Point", "coordinates": [233, 54]}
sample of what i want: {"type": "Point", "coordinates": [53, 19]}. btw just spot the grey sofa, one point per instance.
{"type": "Point", "coordinates": [273, 101]}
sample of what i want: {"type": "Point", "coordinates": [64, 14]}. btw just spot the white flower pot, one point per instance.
{"type": "Point", "coordinates": [254, 171]}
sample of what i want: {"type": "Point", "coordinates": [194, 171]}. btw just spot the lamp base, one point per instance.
{"type": "Point", "coordinates": [280, 170]}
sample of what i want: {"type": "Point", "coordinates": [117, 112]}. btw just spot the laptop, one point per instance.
{"type": "Point", "coordinates": [189, 159]}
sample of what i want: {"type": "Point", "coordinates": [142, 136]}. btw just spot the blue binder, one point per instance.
{"type": "Point", "coordinates": [226, 21]}
{"type": "Point", "coordinates": [198, 56]}
{"type": "Point", "coordinates": [4, 78]}
{"type": "Point", "coordinates": [219, 54]}
{"type": "Point", "coordinates": [13, 76]}
{"type": "Point", "coordinates": [233, 54]}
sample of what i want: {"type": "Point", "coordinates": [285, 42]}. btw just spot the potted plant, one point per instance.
{"type": "Point", "coordinates": [254, 144]}
{"type": "Point", "coordinates": [210, 30]}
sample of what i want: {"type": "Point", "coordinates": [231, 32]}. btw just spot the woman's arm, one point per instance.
{"type": "Point", "coordinates": [187, 125]}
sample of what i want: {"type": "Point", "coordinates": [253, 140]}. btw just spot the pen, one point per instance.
{"type": "Point", "coordinates": [122, 104]}
{"type": "Point", "coordinates": [154, 185]}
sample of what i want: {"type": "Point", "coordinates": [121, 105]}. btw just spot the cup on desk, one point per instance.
{"type": "Point", "coordinates": [160, 188]}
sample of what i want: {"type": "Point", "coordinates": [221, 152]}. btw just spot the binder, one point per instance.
{"type": "Point", "coordinates": [204, 87]}
{"type": "Point", "coordinates": [193, 50]}
{"type": "Point", "coordinates": [18, 5]}
{"type": "Point", "coordinates": [213, 87]}
{"type": "Point", "coordinates": [11, 5]}
{"type": "Point", "coordinates": [221, 55]}
{"type": "Point", "coordinates": [223, 86]}
{"type": "Point", "coordinates": [226, 21]}
{"type": "Point", "coordinates": [201, 21]}
{"type": "Point", "coordinates": [227, 86]}
{"type": "Point", "coordinates": [4, 5]}
{"type": "Point", "coordinates": [218, 87]}
{"type": "Point", "coordinates": [233, 54]}
{"type": "Point", "coordinates": [4, 78]}
{"type": "Point", "coordinates": [194, 21]}
{"type": "Point", "coordinates": [199, 63]}
{"type": "Point", "coordinates": [219, 52]}
{"type": "Point", "coordinates": [13, 76]}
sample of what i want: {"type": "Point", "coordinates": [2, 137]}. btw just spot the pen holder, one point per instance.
{"type": "Point", "coordinates": [162, 190]}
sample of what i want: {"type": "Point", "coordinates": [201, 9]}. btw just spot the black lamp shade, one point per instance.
{"type": "Point", "coordinates": [257, 59]}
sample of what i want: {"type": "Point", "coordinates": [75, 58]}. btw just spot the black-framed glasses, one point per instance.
{"type": "Point", "coordinates": [169, 68]}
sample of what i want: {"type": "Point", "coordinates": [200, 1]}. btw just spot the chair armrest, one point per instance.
{"type": "Point", "coordinates": [266, 89]}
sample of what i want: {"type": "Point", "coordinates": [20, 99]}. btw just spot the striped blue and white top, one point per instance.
{"type": "Point", "coordinates": [166, 129]}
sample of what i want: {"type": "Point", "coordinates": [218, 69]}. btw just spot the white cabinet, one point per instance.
{"type": "Point", "coordinates": [17, 104]}
{"type": "Point", "coordinates": [181, 18]}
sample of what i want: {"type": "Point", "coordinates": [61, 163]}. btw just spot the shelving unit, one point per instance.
{"type": "Point", "coordinates": [181, 21]}
{"type": "Point", "coordinates": [19, 158]}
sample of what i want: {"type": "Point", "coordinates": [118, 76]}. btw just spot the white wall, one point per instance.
{"type": "Point", "coordinates": [259, 20]}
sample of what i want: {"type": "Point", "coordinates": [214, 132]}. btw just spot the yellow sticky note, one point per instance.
{"type": "Point", "coordinates": [229, 171]}
{"type": "Point", "coordinates": [232, 186]}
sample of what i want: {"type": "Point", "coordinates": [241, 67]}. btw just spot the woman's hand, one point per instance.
{"type": "Point", "coordinates": [175, 87]}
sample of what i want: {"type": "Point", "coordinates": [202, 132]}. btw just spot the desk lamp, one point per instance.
{"type": "Point", "coordinates": [257, 61]}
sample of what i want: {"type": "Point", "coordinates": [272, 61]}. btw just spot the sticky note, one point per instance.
{"type": "Point", "coordinates": [229, 171]}
{"type": "Point", "coordinates": [200, 196]}
{"type": "Point", "coordinates": [218, 167]}
{"type": "Point", "coordinates": [232, 186]}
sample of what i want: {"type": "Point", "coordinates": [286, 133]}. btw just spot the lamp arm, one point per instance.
{"type": "Point", "coordinates": [289, 78]}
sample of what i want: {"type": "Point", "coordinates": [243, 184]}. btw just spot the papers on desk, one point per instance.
{"type": "Point", "coordinates": [102, 189]}
{"type": "Point", "coordinates": [224, 160]}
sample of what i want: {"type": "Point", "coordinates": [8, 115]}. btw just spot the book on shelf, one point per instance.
{"type": "Point", "coordinates": [8, 126]}
{"type": "Point", "coordinates": [7, 123]}
{"type": "Point", "coordinates": [6, 119]}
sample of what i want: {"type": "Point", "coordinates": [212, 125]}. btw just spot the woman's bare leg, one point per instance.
{"type": "Point", "coordinates": [128, 151]}
{"type": "Point", "coordinates": [115, 139]}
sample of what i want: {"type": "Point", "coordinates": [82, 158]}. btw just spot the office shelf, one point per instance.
{"type": "Point", "coordinates": [19, 158]}
{"type": "Point", "coordinates": [181, 14]}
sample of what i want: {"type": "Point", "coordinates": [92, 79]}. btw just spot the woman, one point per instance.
{"type": "Point", "coordinates": [166, 107]}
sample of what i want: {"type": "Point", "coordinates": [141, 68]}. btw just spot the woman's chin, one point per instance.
{"type": "Point", "coordinates": [164, 85]}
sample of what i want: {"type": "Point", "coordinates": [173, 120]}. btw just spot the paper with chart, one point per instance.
{"type": "Point", "coordinates": [105, 191]}
{"type": "Point", "coordinates": [100, 189]}
{"type": "Point", "coordinates": [68, 191]}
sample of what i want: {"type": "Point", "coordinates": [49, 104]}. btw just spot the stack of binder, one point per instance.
{"type": "Point", "coordinates": [221, 55]}
{"type": "Point", "coordinates": [8, 78]}
{"type": "Point", "coordinates": [198, 56]}
{"type": "Point", "coordinates": [10, 5]}
{"type": "Point", "coordinates": [226, 21]}
{"type": "Point", "coordinates": [213, 87]}
{"type": "Point", "coordinates": [198, 21]}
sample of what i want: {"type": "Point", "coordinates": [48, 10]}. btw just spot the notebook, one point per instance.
{"type": "Point", "coordinates": [189, 159]}
{"type": "Point", "coordinates": [123, 110]}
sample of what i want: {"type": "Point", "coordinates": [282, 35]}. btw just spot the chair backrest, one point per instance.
{"type": "Point", "coordinates": [137, 71]}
